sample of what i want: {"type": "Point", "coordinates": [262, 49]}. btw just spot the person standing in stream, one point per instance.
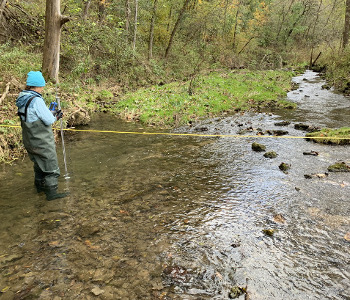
{"type": "Point", "coordinates": [38, 138]}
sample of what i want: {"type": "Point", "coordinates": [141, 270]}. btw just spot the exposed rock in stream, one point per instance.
{"type": "Point", "coordinates": [237, 291]}
{"type": "Point", "coordinates": [78, 117]}
{"type": "Point", "coordinates": [258, 147]}
{"type": "Point", "coordinates": [282, 123]}
{"type": "Point", "coordinates": [313, 153]}
{"type": "Point", "coordinates": [277, 132]}
{"type": "Point", "coordinates": [339, 167]}
{"type": "Point", "coordinates": [269, 232]}
{"type": "Point", "coordinates": [284, 167]}
{"type": "Point", "coordinates": [306, 127]}
{"type": "Point", "coordinates": [270, 154]}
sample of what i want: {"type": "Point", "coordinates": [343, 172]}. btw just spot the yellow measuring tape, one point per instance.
{"type": "Point", "coordinates": [188, 134]}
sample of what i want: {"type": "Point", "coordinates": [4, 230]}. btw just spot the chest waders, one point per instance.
{"type": "Point", "coordinates": [39, 142]}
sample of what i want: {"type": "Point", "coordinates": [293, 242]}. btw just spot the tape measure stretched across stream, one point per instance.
{"type": "Point", "coordinates": [188, 134]}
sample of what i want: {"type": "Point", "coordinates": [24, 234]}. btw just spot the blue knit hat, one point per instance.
{"type": "Point", "coordinates": [35, 78]}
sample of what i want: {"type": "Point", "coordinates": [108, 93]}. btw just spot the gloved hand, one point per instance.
{"type": "Point", "coordinates": [59, 114]}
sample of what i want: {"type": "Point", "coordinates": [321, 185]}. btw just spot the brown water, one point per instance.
{"type": "Point", "coordinates": [158, 217]}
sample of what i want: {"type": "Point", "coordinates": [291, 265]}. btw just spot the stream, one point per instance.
{"type": "Point", "coordinates": [186, 217]}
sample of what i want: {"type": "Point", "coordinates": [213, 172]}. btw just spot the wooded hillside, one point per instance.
{"type": "Point", "coordinates": [141, 42]}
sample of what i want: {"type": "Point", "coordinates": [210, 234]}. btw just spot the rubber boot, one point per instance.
{"type": "Point", "coordinates": [40, 185]}
{"type": "Point", "coordinates": [51, 193]}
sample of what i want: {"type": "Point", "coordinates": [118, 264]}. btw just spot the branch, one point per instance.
{"type": "Point", "coordinates": [5, 93]}
{"type": "Point", "coordinates": [2, 7]}
{"type": "Point", "coordinates": [246, 44]}
{"type": "Point", "coordinates": [64, 20]}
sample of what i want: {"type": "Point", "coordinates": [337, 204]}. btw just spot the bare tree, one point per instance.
{"type": "Point", "coordinates": [135, 24]}
{"type": "Point", "coordinates": [127, 19]}
{"type": "Point", "coordinates": [346, 24]}
{"type": "Point", "coordinates": [53, 23]}
{"type": "Point", "coordinates": [178, 21]}
{"type": "Point", "coordinates": [151, 31]}
{"type": "Point", "coordinates": [2, 7]}
{"type": "Point", "coordinates": [87, 4]}
{"type": "Point", "coordinates": [102, 10]}
{"type": "Point", "coordinates": [235, 26]}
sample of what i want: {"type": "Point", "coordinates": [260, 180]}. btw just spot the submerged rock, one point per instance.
{"type": "Point", "coordinates": [321, 175]}
{"type": "Point", "coordinates": [339, 167]}
{"type": "Point", "coordinates": [201, 128]}
{"type": "Point", "coordinates": [270, 154]}
{"type": "Point", "coordinates": [283, 123]}
{"type": "Point", "coordinates": [258, 147]}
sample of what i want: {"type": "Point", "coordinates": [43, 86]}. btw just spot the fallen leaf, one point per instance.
{"type": "Point", "coordinates": [4, 290]}
{"type": "Point", "coordinates": [124, 212]}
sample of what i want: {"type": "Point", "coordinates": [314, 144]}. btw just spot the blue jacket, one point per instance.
{"type": "Point", "coordinates": [37, 109]}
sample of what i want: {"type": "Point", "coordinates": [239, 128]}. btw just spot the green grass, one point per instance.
{"type": "Point", "coordinates": [17, 62]}
{"type": "Point", "coordinates": [340, 136]}
{"type": "Point", "coordinates": [212, 95]}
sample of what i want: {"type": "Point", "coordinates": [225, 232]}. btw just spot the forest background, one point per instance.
{"type": "Point", "coordinates": [110, 48]}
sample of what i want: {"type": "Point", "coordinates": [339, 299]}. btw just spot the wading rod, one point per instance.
{"type": "Point", "coordinates": [62, 137]}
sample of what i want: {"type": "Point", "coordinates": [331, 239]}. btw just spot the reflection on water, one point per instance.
{"type": "Point", "coordinates": [155, 217]}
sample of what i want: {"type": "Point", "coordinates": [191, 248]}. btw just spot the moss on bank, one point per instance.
{"type": "Point", "coordinates": [340, 136]}
{"type": "Point", "coordinates": [206, 96]}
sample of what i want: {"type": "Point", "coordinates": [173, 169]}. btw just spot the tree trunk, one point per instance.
{"type": "Point", "coordinates": [2, 7]}
{"type": "Point", "coordinates": [151, 31]}
{"type": "Point", "coordinates": [235, 27]}
{"type": "Point", "coordinates": [169, 18]}
{"type": "Point", "coordinates": [178, 21]}
{"type": "Point", "coordinates": [87, 4]}
{"type": "Point", "coordinates": [135, 24]}
{"type": "Point", "coordinates": [127, 19]}
{"type": "Point", "coordinates": [225, 17]}
{"type": "Point", "coordinates": [53, 23]}
{"type": "Point", "coordinates": [101, 10]}
{"type": "Point", "coordinates": [284, 16]}
{"type": "Point", "coordinates": [346, 24]}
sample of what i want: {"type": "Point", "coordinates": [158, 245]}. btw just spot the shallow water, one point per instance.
{"type": "Point", "coordinates": [161, 217]}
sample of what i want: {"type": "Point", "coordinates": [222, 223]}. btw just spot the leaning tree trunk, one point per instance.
{"type": "Point", "coordinates": [346, 24]}
{"type": "Point", "coordinates": [102, 10]}
{"type": "Point", "coordinates": [135, 25]}
{"type": "Point", "coordinates": [178, 21]}
{"type": "Point", "coordinates": [151, 31]}
{"type": "Point", "coordinates": [127, 19]}
{"type": "Point", "coordinates": [53, 23]}
{"type": "Point", "coordinates": [2, 7]}
{"type": "Point", "coordinates": [85, 14]}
